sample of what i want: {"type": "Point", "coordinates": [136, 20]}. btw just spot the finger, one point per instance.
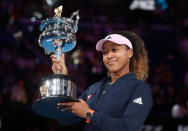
{"type": "Point", "coordinates": [59, 107]}
{"type": "Point", "coordinates": [54, 60]}
{"type": "Point", "coordinates": [81, 100]}
{"type": "Point", "coordinates": [53, 56]}
{"type": "Point", "coordinates": [63, 59]}
{"type": "Point", "coordinates": [68, 108]}
{"type": "Point", "coordinates": [53, 69]}
{"type": "Point", "coordinates": [58, 66]}
{"type": "Point", "coordinates": [65, 104]}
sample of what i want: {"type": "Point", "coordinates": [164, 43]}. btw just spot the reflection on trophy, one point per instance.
{"type": "Point", "coordinates": [57, 87]}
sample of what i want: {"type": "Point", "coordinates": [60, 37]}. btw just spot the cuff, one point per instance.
{"type": "Point", "coordinates": [95, 115]}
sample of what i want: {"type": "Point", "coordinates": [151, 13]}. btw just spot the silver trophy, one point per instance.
{"type": "Point", "coordinates": [57, 87]}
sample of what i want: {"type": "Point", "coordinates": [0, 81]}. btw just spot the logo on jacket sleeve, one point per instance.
{"type": "Point", "coordinates": [138, 101]}
{"type": "Point", "coordinates": [89, 96]}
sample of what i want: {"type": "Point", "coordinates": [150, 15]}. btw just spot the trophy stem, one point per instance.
{"type": "Point", "coordinates": [58, 52]}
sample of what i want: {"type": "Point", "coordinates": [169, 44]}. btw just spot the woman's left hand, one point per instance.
{"type": "Point", "coordinates": [78, 108]}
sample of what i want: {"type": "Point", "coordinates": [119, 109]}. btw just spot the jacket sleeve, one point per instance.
{"type": "Point", "coordinates": [134, 115]}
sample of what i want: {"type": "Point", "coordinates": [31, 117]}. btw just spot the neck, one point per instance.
{"type": "Point", "coordinates": [116, 75]}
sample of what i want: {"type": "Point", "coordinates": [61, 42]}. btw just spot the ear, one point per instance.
{"type": "Point", "coordinates": [130, 53]}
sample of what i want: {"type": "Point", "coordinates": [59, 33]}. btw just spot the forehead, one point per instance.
{"type": "Point", "coordinates": [110, 44]}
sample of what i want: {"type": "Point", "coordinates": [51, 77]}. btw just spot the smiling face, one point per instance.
{"type": "Point", "coordinates": [116, 57]}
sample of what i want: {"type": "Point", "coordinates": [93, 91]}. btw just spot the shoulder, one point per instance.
{"type": "Point", "coordinates": [142, 85]}
{"type": "Point", "coordinates": [143, 90]}
{"type": "Point", "coordinates": [94, 85]}
{"type": "Point", "coordinates": [93, 88]}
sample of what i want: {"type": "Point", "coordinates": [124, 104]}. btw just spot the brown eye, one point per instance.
{"type": "Point", "coordinates": [114, 49]}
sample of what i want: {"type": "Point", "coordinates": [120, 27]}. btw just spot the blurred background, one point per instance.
{"type": "Point", "coordinates": [163, 24]}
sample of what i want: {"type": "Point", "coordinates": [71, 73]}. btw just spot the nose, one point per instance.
{"type": "Point", "coordinates": [109, 55]}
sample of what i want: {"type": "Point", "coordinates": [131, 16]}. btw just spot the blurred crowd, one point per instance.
{"type": "Point", "coordinates": [24, 64]}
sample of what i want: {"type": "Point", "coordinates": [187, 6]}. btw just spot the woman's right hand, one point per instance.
{"type": "Point", "coordinates": [59, 65]}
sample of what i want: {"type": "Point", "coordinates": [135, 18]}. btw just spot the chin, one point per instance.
{"type": "Point", "coordinates": [112, 70]}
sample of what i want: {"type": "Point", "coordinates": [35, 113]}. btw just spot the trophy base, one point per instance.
{"type": "Point", "coordinates": [47, 106]}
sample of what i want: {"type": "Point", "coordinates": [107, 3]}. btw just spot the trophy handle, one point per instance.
{"type": "Point", "coordinates": [76, 22]}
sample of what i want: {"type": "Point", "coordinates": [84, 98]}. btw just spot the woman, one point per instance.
{"type": "Point", "coordinates": [121, 101]}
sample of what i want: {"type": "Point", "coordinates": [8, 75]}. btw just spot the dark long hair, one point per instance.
{"type": "Point", "coordinates": [139, 60]}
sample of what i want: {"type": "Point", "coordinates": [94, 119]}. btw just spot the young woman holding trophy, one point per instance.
{"type": "Point", "coordinates": [122, 100]}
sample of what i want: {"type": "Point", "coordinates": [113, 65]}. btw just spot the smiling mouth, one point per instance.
{"type": "Point", "coordinates": [110, 62]}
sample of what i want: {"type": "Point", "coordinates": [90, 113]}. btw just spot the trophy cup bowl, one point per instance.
{"type": "Point", "coordinates": [56, 87]}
